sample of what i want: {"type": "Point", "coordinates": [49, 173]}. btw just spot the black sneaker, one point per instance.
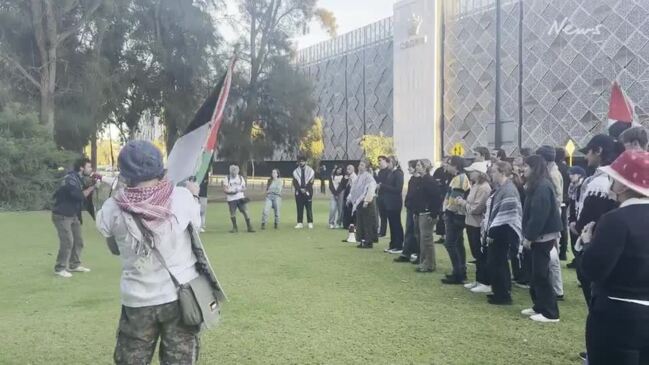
{"type": "Point", "coordinates": [401, 259]}
{"type": "Point", "coordinates": [452, 281]}
{"type": "Point", "coordinates": [583, 356]}
{"type": "Point", "coordinates": [497, 301]}
{"type": "Point", "coordinates": [419, 269]}
{"type": "Point", "coordinates": [572, 265]}
{"type": "Point", "coordinates": [563, 257]}
{"type": "Point", "coordinates": [560, 298]}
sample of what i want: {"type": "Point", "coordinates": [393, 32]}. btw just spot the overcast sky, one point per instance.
{"type": "Point", "coordinates": [350, 14]}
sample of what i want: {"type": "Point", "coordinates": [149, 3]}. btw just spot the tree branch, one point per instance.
{"type": "Point", "coordinates": [22, 70]}
{"type": "Point", "coordinates": [84, 19]}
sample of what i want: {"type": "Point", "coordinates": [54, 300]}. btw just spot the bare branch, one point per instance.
{"type": "Point", "coordinates": [84, 19]}
{"type": "Point", "coordinates": [21, 69]}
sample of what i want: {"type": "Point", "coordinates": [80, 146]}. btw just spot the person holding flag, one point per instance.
{"type": "Point", "coordinates": [303, 177]}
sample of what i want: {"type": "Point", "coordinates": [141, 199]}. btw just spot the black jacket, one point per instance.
{"type": "Point", "coordinates": [380, 178]}
{"type": "Point", "coordinates": [540, 212]}
{"type": "Point", "coordinates": [426, 197]}
{"type": "Point", "coordinates": [617, 260]}
{"type": "Point", "coordinates": [69, 198]}
{"type": "Point", "coordinates": [392, 189]}
{"type": "Point", "coordinates": [412, 191]}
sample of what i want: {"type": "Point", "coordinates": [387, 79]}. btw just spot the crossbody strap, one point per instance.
{"type": "Point", "coordinates": [158, 255]}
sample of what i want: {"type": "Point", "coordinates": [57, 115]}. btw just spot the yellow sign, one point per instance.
{"type": "Point", "coordinates": [570, 150]}
{"type": "Point", "coordinates": [458, 150]}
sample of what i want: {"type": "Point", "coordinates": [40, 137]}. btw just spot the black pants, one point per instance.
{"type": "Point", "coordinates": [583, 281]}
{"type": "Point", "coordinates": [440, 227]}
{"type": "Point", "coordinates": [410, 243]}
{"type": "Point", "coordinates": [366, 231]}
{"type": "Point", "coordinates": [573, 240]}
{"type": "Point", "coordinates": [455, 243]}
{"type": "Point", "coordinates": [303, 202]}
{"type": "Point", "coordinates": [617, 333]}
{"type": "Point", "coordinates": [348, 217]}
{"type": "Point", "coordinates": [396, 229]}
{"type": "Point", "coordinates": [480, 257]}
{"type": "Point", "coordinates": [498, 264]}
{"type": "Point", "coordinates": [565, 234]}
{"type": "Point", "coordinates": [383, 217]}
{"type": "Point", "coordinates": [541, 291]}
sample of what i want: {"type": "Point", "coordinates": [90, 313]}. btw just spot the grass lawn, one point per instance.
{"type": "Point", "coordinates": [296, 297]}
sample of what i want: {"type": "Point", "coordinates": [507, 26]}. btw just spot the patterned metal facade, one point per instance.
{"type": "Point", "coordinates": [352, 79]}
{"type": "Point", "coordinates": [554, 81]}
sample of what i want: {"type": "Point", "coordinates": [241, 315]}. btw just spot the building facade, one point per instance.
{"type": "Point", "coordinates": [509, 73]}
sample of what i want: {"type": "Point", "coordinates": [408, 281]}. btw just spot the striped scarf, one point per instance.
{"type": "Point", "coordinates": [152, 204]}
{"type": "Point", "coordinates": [504, 208]}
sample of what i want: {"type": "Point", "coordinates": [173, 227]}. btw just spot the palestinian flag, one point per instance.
{"type": "Point", "coordinates": [192, 155]}
{"type": "Point", "coordinates": [620, 111]}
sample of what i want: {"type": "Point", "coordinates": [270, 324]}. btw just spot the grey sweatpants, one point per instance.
{"type": "Point", "coordinates": [70, 242]}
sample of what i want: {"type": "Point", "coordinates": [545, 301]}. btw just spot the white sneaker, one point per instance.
{"type": "Point", "coordinates": [299, 226]}
{"type": "Point", "coordinates": [310, 225]}
{"type": "Point", "coordinates": [481, 289]}
{"type": "Point", "coordinates": [388, 250]}
{"type": "Point", "coordinates": [471, 285]}
{"type": "Point", "coordinates": [331, 226]}
{"type": "Point", "coordinates": [528, 312]}
{"type": "Point", "coordinates": [202, 230]}
{"type": "Point", "coordinates": [396, 252]}
{"type": "Point", "coordinates": [414, 257]}
{"type": "Point", "coordinates": [541, 318]}
{"type": "Point", "coordinates": [80, 269]}
{"type": "Point", "coordinates": [63, 274]}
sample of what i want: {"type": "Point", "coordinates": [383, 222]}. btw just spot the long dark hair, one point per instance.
{"type": "Point", "coordinates": [539, 171]}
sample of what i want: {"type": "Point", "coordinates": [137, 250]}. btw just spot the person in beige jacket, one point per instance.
{"type": "Point", "coordinates": [475, 207]}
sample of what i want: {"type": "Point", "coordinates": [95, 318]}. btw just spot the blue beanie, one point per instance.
{"type": "Point", "coordinates": [140, 161]}
{"type": "Point", "coordinates": [577, 170]}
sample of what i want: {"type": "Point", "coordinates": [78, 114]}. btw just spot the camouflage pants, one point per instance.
{"type": "Point", "coordinates": [138, 332]}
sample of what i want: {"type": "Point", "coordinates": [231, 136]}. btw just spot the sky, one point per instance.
{"type": "Point", "coordinates": [350, 14]}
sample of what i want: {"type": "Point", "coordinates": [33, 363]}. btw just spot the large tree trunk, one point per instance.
{"type": "Point", "coordinates": [93, 150]}
{"type": "Point", "coordinates": [47, 104]}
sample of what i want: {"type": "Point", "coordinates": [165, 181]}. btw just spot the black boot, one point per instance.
{"type": "Point", "coordinates": [263, 226]}
{"type": "Point", "coordinates": [234, 229]}
{"type": "Point", "coordinates": [249, 225]}
{"type": "Point", "coordinates": [276, 225]}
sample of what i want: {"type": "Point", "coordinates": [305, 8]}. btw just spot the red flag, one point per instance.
{"type": "Point", "coordinates": [620, 107]}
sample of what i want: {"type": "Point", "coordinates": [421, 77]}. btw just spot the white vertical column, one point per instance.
{"type": "Point", "coordinates": [416, 81]}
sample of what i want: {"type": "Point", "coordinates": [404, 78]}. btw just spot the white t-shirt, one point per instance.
{"type": "Point", "coordinates": [145, 281]}
{"type": "Point", "coordinates": [236, 185]}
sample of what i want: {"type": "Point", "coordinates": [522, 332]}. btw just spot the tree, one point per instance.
{"type": "Point", "coordinates": [30, 163]}
{"type": "Point", "coordinates": [44, 26]}
{"type": "Point", "coordinates": [376, 145]}
{"type": "Point", "coordinates": [174, 61]}
{"type": "Point", "coordinates": [283, 112]}
{"type": "Point", "coordinates": [312, 145]}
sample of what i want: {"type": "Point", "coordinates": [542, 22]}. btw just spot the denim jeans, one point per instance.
{"type": "Point", "coordinates": [273, 202]}
{"type": "Point", "coordinates": [336, 210]}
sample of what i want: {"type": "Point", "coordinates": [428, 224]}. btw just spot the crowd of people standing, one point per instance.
{"type": "Point", "coordinates": [519, 219]}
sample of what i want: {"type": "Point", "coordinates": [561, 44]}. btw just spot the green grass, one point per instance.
{"type": "Point", "coordinates": [296, 297]}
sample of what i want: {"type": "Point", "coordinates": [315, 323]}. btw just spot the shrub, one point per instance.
{"type": "Point", "coordinates": [31, 166]}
